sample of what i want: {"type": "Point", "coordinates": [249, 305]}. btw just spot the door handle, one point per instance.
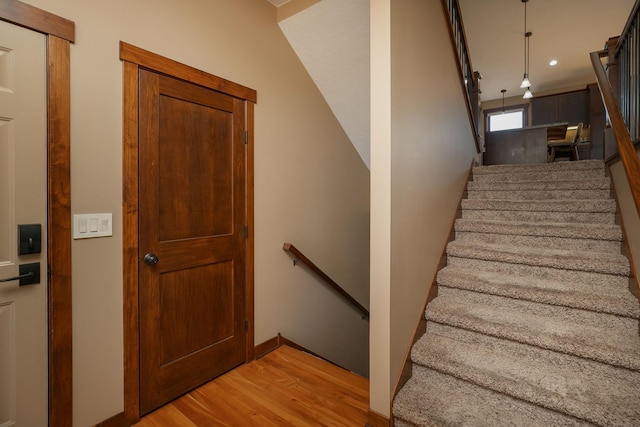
{"type": "Point", "coordinates": [28, 274]}
{"type": "Point", "coordinates": [22, 276]}
{"type": "Point", "coordinates": [150, 259]}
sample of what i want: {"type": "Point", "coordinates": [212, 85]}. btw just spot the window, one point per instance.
{"type": "Point", "coordinates": [502, 120]}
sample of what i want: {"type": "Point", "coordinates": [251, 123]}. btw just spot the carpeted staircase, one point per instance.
{"type": "Point", "coordinates": [534, 323]}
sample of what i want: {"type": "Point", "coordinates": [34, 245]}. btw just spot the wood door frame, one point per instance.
{"type": "Point", "coordinates": [135, 58]}
{"type": "Point", "coordinates": [59, 33]}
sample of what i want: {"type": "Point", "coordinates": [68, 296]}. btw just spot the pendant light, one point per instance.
{"type": "Point", "coordinates": [503, 92]}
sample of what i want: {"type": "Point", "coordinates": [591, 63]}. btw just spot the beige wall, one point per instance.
{"type": "Point", "coordinates": [628, 211]}
{"type": "Point", "coordinates": [311, 187]}
{"type": "Point", "coordinates": [431, 148]}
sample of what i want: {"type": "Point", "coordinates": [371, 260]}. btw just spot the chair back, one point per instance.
{"type": "Point", "coordinates": [570, 136]}
{"type": "Point", "coordinates": [573, 135]}
{"type": "Point", "coordinates": [578, 135]}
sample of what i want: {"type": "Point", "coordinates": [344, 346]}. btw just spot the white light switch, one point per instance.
{"type": "Point", "coordinates": [86, 226]}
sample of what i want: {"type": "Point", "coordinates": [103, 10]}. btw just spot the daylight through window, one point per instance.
{"type": "Point", "coordinates": [513, 119]}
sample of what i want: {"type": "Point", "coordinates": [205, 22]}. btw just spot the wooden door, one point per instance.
{"type": "Point", "coordinates": [23, 200]}
{"type": "Point", "coordinates": [192, 249]}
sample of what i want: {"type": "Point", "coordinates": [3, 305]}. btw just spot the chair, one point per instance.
{"type": "Point", "coordinates": [566, 146]}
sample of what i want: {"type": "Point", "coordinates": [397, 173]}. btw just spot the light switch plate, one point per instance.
{"type": "Point", "coordinates": [87, 226]}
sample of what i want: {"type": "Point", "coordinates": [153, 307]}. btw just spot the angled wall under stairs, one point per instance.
{"type": "Point", "coordinates": [534, 323]}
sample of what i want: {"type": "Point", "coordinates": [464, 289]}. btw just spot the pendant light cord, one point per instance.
{"type": "Point", "coordinates": [526, 42]}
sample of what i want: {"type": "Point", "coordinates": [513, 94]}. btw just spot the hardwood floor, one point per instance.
{"type": "Point", "coordinates": [284, 388]}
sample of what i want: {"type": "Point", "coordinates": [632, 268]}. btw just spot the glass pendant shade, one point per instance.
{"type": "Point", "coordinates": [527, 94]}
{"type": "Point", "coordinates": [525, 82]}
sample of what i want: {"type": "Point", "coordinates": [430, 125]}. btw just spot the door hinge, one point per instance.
{"type": "Point", "coordinates": [246, 232]}
{"type": "Point", "coordinates": [246, 325]}
{"type": "Point", "coordinates": [246, 137]}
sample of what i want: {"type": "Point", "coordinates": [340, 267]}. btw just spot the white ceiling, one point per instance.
{"type": "Point", "coordinates": [565, 30]}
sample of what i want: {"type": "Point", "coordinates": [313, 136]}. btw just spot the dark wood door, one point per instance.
{"type": "Point", "coordinates": [192, 250]}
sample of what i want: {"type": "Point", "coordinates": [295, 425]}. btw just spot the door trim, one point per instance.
{"type": "Point", "coordinates": [59, 33]}
{"type": "Point", "coordinates": [133, 59]}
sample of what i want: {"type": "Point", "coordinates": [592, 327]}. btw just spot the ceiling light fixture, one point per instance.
{"type": "Point", "coordinates": [527, 94]}
{"type": "Point", "coordinates": [526, 83]}
{"type": "Point", "coordinates": [503, 92]}
{"type": "Point", "coordinates": [553, 62]}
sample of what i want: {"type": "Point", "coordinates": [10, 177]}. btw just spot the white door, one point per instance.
{"type": "Point", "coordinates": [23, 309]}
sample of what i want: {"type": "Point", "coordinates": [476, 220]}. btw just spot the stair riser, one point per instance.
{"type": "Point", "coordinates": [538, 195]}
{"type": "Point", "coordinates": [596, 166]}
{"type": "Point", "coordinates": [589, 206]}
{"type": "Point", "coordinates": [594, 279]}
{"type": "Point", "coordinates": [540, 242]}
{"type": "Point", "coordinates": [569, 261]}
{"type": "Point", "coordinates": [610, 232]}
{"type": "Point", "coordinates": [565, 217]}
{"type": "Point", "coordinates": [537, 176]}
{"type": "Point", "coordinates": [586, 184]}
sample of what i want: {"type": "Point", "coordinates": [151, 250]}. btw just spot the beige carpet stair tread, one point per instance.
{"type": "Point", "coordinates": [599, 393]}
{"type": "Point", "coordinates": [611, 232]}
{"type": "Point", "coordinates": [538, 272]}
{"type": "Point", "coordinates": [576, 245]}
{"type": "Point", "coordinates": [598, 262]}
{"type": "Point", "coordinates": [611, 298]}
{"type": "Point", "coordinates": [431, 398]}
{"type": "Point", "coordinates": [597, 336]}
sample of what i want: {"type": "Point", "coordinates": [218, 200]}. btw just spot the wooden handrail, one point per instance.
{"type": "Point", "coordinates": [288, 247]}
{"type": "Point", "coordinates": [453, 16]}
{"type": "Point", "coordinates": [626, 149]}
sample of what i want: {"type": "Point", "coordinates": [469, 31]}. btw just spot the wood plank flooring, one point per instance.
{"type": "Point", "coordinates": [284, 388]}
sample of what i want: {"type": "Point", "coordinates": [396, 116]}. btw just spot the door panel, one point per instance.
{"type": "Point", "coordinates": [23, 321]}
{"type": "Point", "coordinates": [192, 218]}
{"type": "Point", "coordinates": [206, 301]}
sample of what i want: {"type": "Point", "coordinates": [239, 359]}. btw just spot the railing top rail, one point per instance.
{"type": "Point", "coordinates": [626, 149]}
{"type": "Point", "coordinates": [288, 247]}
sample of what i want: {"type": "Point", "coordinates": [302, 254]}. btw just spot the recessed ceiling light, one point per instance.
{"type": "Point", "coordinates": [553, 62]}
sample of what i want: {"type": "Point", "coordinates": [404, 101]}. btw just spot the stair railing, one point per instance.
{"type": "Point", "coordinates": [627, 54]}
{"type": "Point", "coordinates": [300, 257]}
{"type": "Point", "coordinates": [469, 79]}
{"type": "Point", "coordinates": [623, 112]}
{"type": "Point", "coordinates": [626, 149]}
